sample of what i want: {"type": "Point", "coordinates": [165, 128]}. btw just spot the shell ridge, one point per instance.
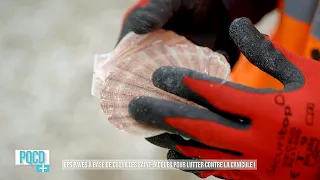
{"type": "Point", "coordinates": [126, 73]}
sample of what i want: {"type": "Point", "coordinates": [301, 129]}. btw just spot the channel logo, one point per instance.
{"type": "Point", "coordinates": [38, 158]}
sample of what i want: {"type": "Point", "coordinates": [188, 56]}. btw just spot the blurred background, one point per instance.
{"type": "Point", "coordinates": [46, 58]}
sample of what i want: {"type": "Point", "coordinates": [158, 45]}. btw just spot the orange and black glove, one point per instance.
{"type": "Point", "coordinates": [279, 129]}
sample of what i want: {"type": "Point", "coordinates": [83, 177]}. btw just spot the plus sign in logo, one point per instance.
{"type": "Point", "coordinates": [43, 168]}
{"type": "Point", "coordinates": [38, 158]}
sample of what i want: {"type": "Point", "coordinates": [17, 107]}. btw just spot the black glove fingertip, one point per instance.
{"type": "Point", "coordinates": [142, 22]}
{"type": "Point", "coordinates": [170, 79]}
{"type": "Point", "coordinates": [174, 155]}
{"type": "Point", "coordinates": [243, 33]}
{"type": "Point", "coordinates": [165, 140]}
{"type": "Point", "coordinates": [151, 17]}
{"type": "Point", "coordinates": [152, 112]}
{"type": "Point", "coordinates": [137, 108]}
{"type": "Point", "coordinates": [262, 53]}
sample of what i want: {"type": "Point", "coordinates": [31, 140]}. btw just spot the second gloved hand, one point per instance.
{"type": "Point", "coordinates": [204, 22]}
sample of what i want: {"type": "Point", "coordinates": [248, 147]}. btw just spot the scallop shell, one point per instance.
{"type": "Point", "coordinates": [126, 73]}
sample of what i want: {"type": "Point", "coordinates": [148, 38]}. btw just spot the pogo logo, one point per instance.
{"type": "Point", "coordinates": [38, 158]}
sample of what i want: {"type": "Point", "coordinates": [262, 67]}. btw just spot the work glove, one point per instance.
{"type": "Point", "coordinates": [204, 22]}
{"type": "Point", "coordinates": [279, 129]}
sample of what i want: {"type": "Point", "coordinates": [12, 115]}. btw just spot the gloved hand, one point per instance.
{"type": "Point", "coordinates": [204, 22]}
{"type": "Point", "coordinates": [278, 128]}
